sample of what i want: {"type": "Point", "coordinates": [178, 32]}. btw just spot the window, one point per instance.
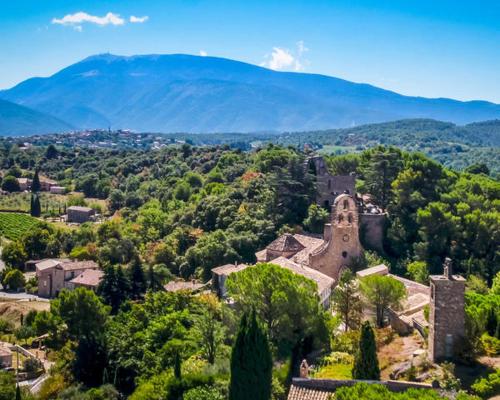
{"type": "Point", "coordinates": [344, 254]}
{"type": "Point", "coordinates": [340, 218]}
{"type": "Point", "coordinates": [349, 218]}
{"type": "Point", "coordinates": [346, 204]}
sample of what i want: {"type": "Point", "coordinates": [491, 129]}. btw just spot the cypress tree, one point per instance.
{"type": "Point", "coordinates": [251, 362]}
{"type": "Point", "coordinates": [366, 361]}
{"type": "Point", "coordinates": [137, 278]}
{"type": "Point", "coordinates": [35, 185]}
{"type": "Point", "coordinates": [177, 366]}
{"type": "Point", "coordinates": [36, 209]}
{"type": "Point", "coordinates": [18, 392]}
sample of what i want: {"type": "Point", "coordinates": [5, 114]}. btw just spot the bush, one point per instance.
{"type": "Point", "coordinates": [6, 326]}
{"type": "Point", "coordinates": [489, 386]}
{"type": "Point", "coordinates": [14, 280]}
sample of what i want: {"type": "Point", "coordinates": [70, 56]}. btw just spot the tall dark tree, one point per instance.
{"type": "Point", "coordinates": [36, 209]}
{"type": "Point", "coordinates": [137, 278]}
{"type": "Point", "coordinates": [51, 152]}
{"type": "Point", "coordinates": [114, 287]}
{"type": "Point", "coordinates": [35, 185]}
{"type": "Point", "coordinates": [380, 167]}
{"type": "Point", "coordinates": [251, 362]}
{"type": "Point", "coordinates": [366, 361]}
{"type": "Point", "coordinates": [18, 393]}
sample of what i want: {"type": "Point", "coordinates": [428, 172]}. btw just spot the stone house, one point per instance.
{"type": "Point", "coordinates": [80, 214]}
{"type": "Point", "coordinates": [220, 275]}
{"type": "Point", "coordinates": [56, 274]}
{"type": "Point", "coordinates": [89, 279]}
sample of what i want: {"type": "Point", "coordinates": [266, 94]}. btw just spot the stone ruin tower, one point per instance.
{"type": "Point", "coordinates": [447, 314]}
{"type": "Point", "coordinates": [341, 238]}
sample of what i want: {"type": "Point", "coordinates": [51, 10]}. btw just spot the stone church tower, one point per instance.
{"type": "Point", "coordinates": [447, 314]}
{"type": "Point", "coordinates": [341, 238]}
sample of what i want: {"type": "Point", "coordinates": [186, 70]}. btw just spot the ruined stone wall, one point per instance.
{"type": "Point", "coordinates": [446, 317]}
{"type": "Point", "coordinates": [372, 231]}
{"type": "Point", "coordinates": [329, 186]}
{"type": "Point", "coordinates": [343, 246]}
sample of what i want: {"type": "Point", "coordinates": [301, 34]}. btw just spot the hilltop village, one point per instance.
{"type": "Point", "coordinates": [152, 267]}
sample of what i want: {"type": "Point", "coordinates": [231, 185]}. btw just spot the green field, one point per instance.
{"type": "Point", "coordinates": [14, 225]}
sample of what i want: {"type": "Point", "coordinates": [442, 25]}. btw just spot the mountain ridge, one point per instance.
{"type": "Point", "coordinates": [187, 93]}
{"type": "Point", "coordinates": [17, 120]}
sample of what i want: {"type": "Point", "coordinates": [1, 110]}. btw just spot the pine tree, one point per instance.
{"type": "Point", "coordinates": [36, 209]}
{"type": "Point", "coordinates": [137, 279]}
{"type": "Point", "coordinates": [366, 361]}
{"type": "Point", "coordinates": [251, 362]}
{"type": "Point", "coordinates": [35, 185]}
{"type": "Point", "coordinates": [114, 287]}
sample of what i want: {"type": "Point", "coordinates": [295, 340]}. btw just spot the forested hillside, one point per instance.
{"type": "Point", "coordinates": [182, 210]}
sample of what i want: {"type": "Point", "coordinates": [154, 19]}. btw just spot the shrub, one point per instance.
{"type": "Point", "coordinates": [489, 386]}
{"type": "Point", "coordinates": [14, 279]}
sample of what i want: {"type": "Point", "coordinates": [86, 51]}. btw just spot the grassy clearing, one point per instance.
{"type": "Point", "coordinates": [14, 225]}
{"type": "Point", "coordinates": [334, 371]}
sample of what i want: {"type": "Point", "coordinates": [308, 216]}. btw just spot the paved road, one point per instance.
{"type": "Point", "coordinates": [20, 296]}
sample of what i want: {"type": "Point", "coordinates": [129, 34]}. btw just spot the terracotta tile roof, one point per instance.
{"type": "Point", "coordinates": [175, 286]}
{"type": "Point", "coordinates": [412, 287]}
{"type": "Point", "coordinates": [323, 281]}
{"type": "Point", "coordinates": [74, 265]}
{"type": "Point", "coordinates": [47, 264]}
{"type": "Point", "coordinates": [229, 269]}
{"type": "Point", "coordinates": [302, 393]}
{"type": "Point", "coordinates": [286, 242]}
{"type": "Point", "coordinates": [89, 277]}
{"type": "Point", "coordinates": [310, 243]}
{"type": "Point", "coordinates": [381, 269]}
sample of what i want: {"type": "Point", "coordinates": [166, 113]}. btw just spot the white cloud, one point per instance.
{"type": "Point", "coordinates": [80, 17]}
{"type": "Point", "coordinates": [282, 59]}
{"type": "Point", "coordinates": [138, 20]}
{"type": "Point", "coordinates": [203, 53]}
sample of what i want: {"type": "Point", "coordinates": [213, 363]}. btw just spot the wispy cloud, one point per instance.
{"type": "Point", "coordinates": [282, 59]}
{"type": "Point", "coordinates": [138, 20]}
{"type": "Point", "coordinates": [203, 53]}
{"type": "Point", "coordinates": [79, 18]}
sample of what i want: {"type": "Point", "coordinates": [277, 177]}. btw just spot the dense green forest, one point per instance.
{"type": "Point", "coordinates": [182, 210]}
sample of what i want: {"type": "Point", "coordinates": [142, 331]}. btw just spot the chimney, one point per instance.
{"type": "Point", "coordinates": [304, 369]}
{"type": "Point", "coordinates": [448, 268]}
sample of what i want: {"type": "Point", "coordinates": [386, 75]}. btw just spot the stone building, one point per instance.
{"type": "Point", "coordinates": [56, 274]}
{"type": "Point", "coordinates": [329, 186]}
{"type": "Point", "coordinates": [447, 314]}
{"type": "Point", "coordinates": [80, 214]}
{"type": "Point", "coordinates": [341, 239]}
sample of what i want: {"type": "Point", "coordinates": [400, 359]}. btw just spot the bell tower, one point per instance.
{"type": "Point", "coordinates": [341, 238]}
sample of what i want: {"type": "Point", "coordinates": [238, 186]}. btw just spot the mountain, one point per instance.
{"type": "Point", "coordinates": [17, 120]}
{"type": "Point", "coordinates": [172, 93]}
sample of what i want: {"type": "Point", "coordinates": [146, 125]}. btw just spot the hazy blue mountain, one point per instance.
{"type": "Point", "coordinates": [171, 93]}
{"type": "Point", "coordinates": [17, 120]}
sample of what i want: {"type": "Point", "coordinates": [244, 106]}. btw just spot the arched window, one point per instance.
{"type": "Point", "coordinates": [346, 204]}
{"type": "Point", "coordinates": [340, 218]}
{"type": "Point", "coordinates": [349, 218]}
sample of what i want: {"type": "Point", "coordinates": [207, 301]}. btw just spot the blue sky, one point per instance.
{"type": "Point", "coordinates": [438, 48]}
